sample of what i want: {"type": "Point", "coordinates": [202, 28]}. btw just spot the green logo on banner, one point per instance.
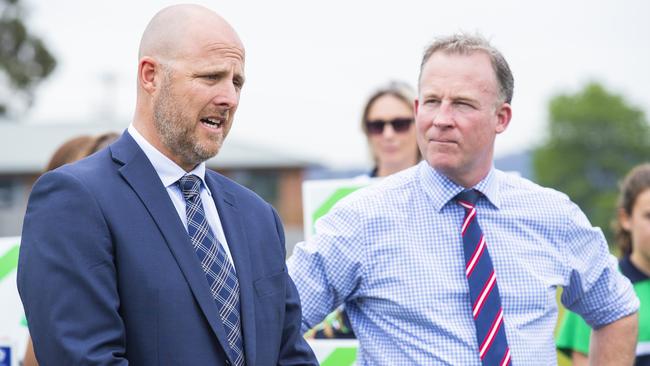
{"type": "Point", "coordinates": [8, 262]}
{"type": "Point", "coordinates": [330, 202]}
{"type": "Point", "coordinates": [344, 356]}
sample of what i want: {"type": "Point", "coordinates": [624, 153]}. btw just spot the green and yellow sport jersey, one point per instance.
{"type": "Point", "coordinates": [574, 333]}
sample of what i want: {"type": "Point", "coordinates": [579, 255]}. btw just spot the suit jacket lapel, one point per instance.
{"type": "Point", "coordinates": [231, 221]}
{"type": "Point", "coordinates": [141, 176]}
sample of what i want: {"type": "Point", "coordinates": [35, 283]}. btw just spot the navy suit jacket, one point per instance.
{"type": "Point", "coordinates": [108, 276]}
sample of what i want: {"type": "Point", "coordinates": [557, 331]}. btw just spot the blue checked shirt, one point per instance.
{"type": "Point", "coordinates": [392, 253]}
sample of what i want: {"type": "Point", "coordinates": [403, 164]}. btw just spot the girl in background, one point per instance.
{"type": "Point", "coordinates": [633, 239]}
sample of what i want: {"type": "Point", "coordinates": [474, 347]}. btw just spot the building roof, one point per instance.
{"type": "Point", "coordinates": [26, 148]}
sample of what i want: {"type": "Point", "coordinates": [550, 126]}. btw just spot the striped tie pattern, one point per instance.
{"type": "Point", "coordinates": [483, 289]}
{"type": "Point", "coordinates": [220, 273]}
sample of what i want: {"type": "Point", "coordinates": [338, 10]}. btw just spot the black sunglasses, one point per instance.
{"type": "Point", "coordinates": [400, 125]}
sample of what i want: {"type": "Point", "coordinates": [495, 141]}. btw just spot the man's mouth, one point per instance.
{"type": "Point", "coordinates": [443, 141]}
{"type": "Point", "coordinates": [212, 122]}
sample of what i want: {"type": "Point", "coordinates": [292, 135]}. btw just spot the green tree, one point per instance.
{"type": "Point", "coordinates": [24, 59]}
{"type": "Point", "coordinates": [595, 138]}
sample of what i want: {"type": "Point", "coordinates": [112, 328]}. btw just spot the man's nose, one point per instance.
{"type": "Point", "coordinates": [443, 116]}
{"type": "Point", "coordinates": [227, 95]}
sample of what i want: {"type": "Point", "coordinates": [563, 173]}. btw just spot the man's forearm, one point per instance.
{"type": "Point", "coordinates": [615, 343]}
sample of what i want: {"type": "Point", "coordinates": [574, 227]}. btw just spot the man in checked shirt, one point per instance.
{"type": "Point", "coordinates": [396, 253]}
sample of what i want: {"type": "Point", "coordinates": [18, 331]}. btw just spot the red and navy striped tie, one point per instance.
{"type": "Point", "coordinates": [483, 289]}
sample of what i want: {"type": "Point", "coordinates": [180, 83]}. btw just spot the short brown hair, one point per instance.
{"type": "Point", "coordinates": [464, 44]}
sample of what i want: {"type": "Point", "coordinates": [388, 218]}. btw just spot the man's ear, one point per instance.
{"type": "Point", "coordinates": [504, 115]}
{"type": "Point", "coordinates": [149, 74]}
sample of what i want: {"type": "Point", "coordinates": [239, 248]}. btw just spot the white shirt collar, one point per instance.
{"type": "Point", "coordinates": [168, 171]}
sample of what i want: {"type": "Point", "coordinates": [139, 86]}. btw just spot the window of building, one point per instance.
{"type": "Point", "coordinates": [263, 182]}
{"type": "Point", "coordinates": [7, 192]}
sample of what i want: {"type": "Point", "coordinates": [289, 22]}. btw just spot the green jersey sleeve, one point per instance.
{"type": "Point", "coordinates": [573, 334]}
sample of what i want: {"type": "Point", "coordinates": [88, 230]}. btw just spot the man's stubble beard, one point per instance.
{"type": "Point", "coordinates": [176, 130]}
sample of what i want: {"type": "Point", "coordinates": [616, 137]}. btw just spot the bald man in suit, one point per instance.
{"type": "Point", "coordinates": [140, 255]}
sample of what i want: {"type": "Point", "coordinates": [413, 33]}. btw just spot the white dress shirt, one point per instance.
{"type": "Point", "coordinates": [169, 173]}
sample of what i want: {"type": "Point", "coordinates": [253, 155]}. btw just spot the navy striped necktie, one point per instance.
{"type": "Point", "coordinates": [220, 273]}
{"type": "Point", "coordinates": [483, 289]}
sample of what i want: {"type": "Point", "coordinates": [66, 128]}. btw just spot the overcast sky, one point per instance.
{"type": "Point", "coordinates": [311, 64]}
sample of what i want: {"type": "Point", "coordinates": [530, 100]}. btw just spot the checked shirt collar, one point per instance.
{"type": "Point", "coordinates": [441, 190]}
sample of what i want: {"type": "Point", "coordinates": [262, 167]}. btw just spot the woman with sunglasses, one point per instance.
{"type": "Point", "coordinates": [387, 122]}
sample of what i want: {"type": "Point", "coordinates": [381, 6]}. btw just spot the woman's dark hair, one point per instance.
{"type": "Point", "coordinates": [634, 183]}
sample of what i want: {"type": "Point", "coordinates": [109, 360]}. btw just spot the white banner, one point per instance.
{"type": "Point", "coordinates": [335, 352]}
{"type": "Point", "coordinates": [319, 196]}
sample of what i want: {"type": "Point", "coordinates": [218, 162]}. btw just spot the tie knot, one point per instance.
{"type": "Point", "coordinates": [190, 185]}
{"type": "Point", "coordinates": [469, 196]}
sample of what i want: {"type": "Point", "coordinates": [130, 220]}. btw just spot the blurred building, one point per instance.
{"type": "Point", "coordinates": [25, 149]}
